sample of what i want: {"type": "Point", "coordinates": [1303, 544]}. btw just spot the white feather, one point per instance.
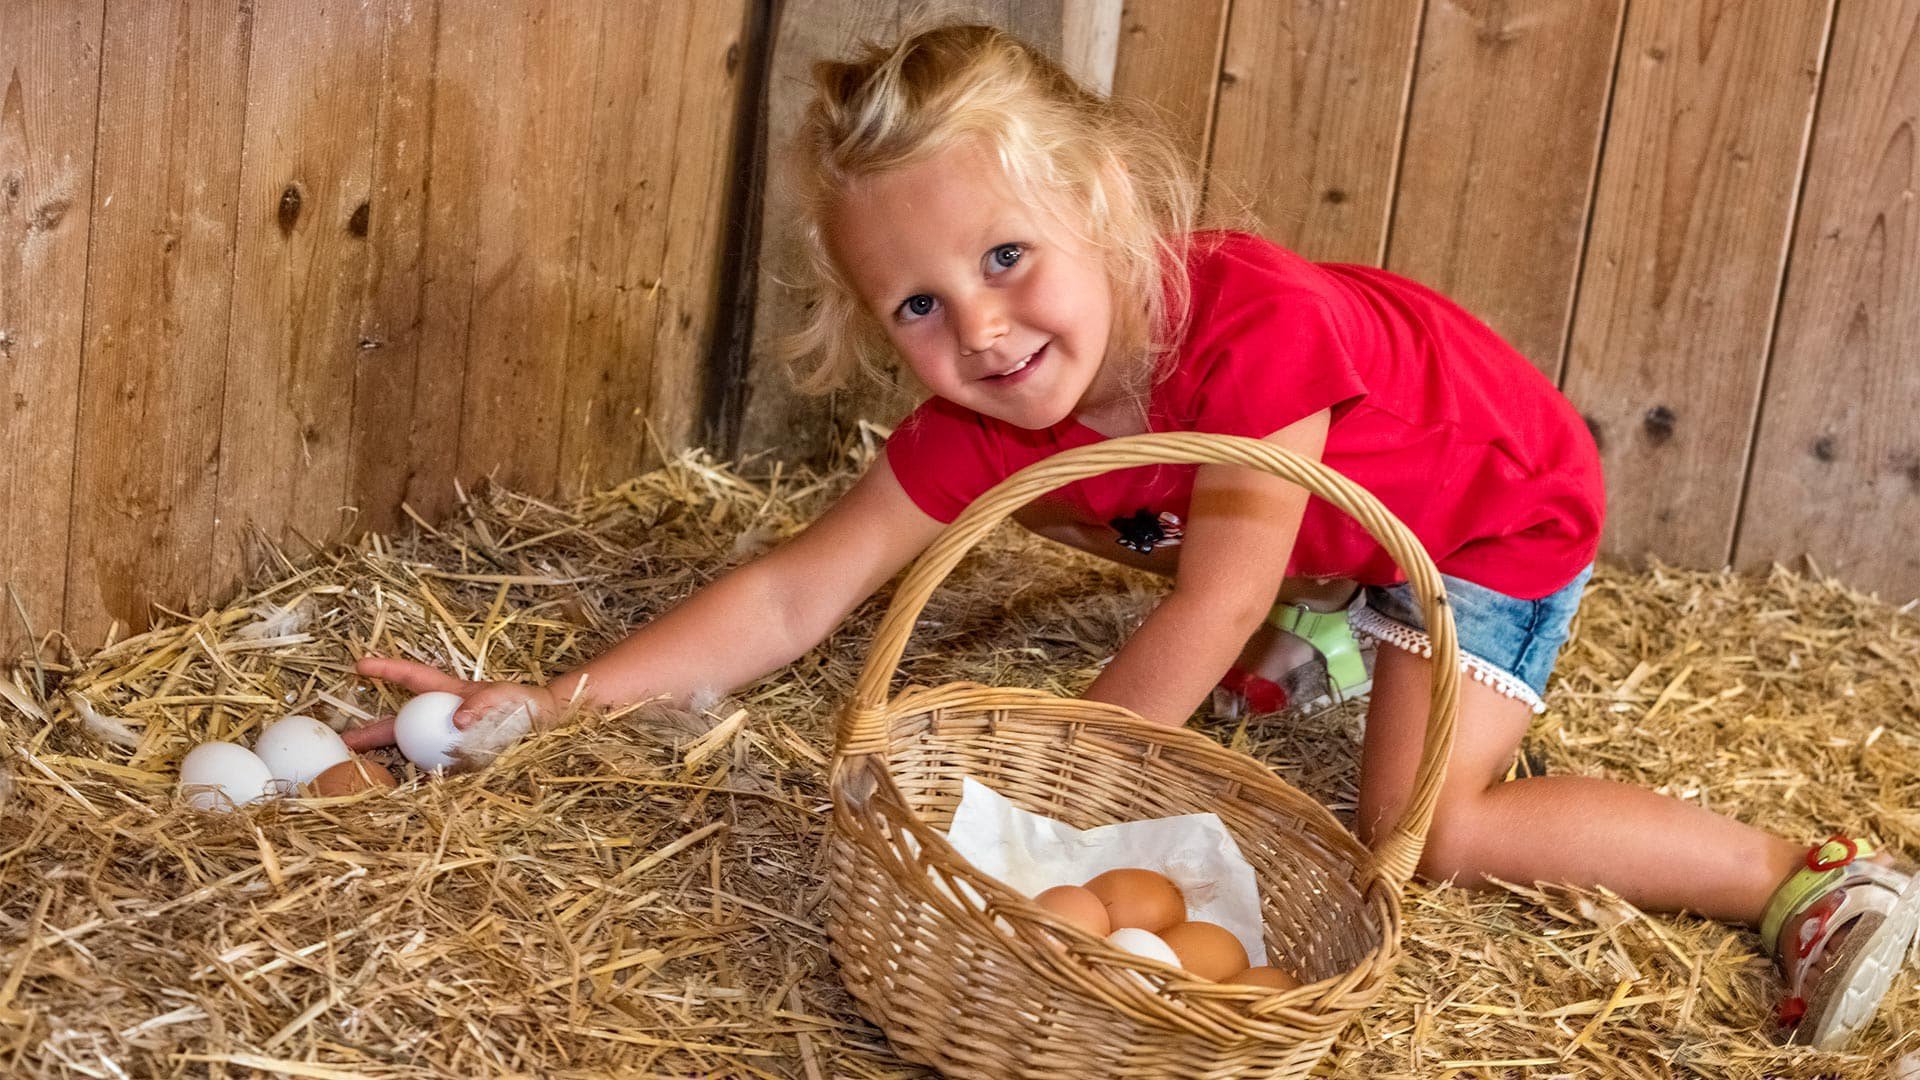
{"type": "Point", "coordinates": [703, 699]}
{"type": "Point", "coordinates": [104, 728]}
{"type": "Point", "coordinates": [274, 621]}
{"type": "Point", "coordinates": [490, 735]}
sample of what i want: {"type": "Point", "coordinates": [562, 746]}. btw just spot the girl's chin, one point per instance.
{"type": "Point", "coordinates": [1037, 418]}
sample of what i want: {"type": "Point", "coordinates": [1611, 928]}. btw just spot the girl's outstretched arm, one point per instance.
{"type": "Point", "coordinates": [766, 613]}
{"type": "Point", "coordinates": [752, 620]}
{"type": "Point", "coordinates": [1240, 531]}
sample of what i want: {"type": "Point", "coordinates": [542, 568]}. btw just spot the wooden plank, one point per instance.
{"type": "Point", "coordinates": [634, 160]}
{"type": "Point", "coordinates": [1690, 226]}
{"type": "Point", "coordinates": [160, 274]}
{"type": "Point", "coordinates": [528, 88]}
{"type": "Point", "coordinates": [300, 261]}
{"type": "Point", "coordinates": [49, 111]}
{"type": "Point", "coordinates": [685, 322]}
{"type": "Point", "coordinates": [778, 417]}
{"type": "Point", "coordinates": [1169, 57]}
{"type": "Point", "coordinates": [643, 317]}
{"type": "Point", "coordinates": [1090, 41]}
{"type": "Point", "coordinates": [406, 393]}
{"type": "Point", "coordinates": [1836, 470]}
{"type": "Point", "coordinates": [1493, 198]}
{"type": "Point", "coordinates": [1308, 135]}
{"type": "Point", "coordinates": [460, 136]}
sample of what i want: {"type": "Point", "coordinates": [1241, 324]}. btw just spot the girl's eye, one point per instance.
{"type": "Point", "coordinates": [1003, 258]}
{"type": "Point", "coordinates": [916, 306]}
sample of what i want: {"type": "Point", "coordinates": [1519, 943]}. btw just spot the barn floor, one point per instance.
{"type": "Point", "coordinates": [642, 893]}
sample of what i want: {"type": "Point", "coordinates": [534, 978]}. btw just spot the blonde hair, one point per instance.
{"type": "Point", "coordinates": [1105, 170]}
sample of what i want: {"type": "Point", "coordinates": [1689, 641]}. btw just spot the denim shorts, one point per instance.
{"type": "Point", "coordinates": [1509, 644]}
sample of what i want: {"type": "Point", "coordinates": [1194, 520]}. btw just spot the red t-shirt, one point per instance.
{"type": "Point", "coordinates": [1450, 427]}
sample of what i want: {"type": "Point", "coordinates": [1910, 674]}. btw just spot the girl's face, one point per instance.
{"type": "Point", "coordinates": [994, 305]}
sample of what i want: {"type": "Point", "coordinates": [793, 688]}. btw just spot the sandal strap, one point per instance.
{"type": "Point", "coordinates": [1828, 864]}
{"type": "Point", "coordinates": [1330, 633]}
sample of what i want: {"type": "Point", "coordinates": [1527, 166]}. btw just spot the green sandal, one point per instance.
{"type": "Point", "coordinates": [1834, 989]}
{"type": "Point", "coordinates": [1345, 673]}
{"type": "Point", "coordinates": [1331, 635]}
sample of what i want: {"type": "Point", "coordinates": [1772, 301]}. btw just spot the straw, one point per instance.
{"type": "Point", "coordinates": [642, 893]}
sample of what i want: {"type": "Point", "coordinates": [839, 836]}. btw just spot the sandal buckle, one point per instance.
{"type": "Point", "coordinates": [1819, 863]}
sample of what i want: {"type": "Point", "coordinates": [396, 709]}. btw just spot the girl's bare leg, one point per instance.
{"type": "Point", "coordinates": [1659, 853]}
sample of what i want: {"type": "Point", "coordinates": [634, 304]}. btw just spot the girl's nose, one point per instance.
{"type": "Point", "coordinates": [980, 325]}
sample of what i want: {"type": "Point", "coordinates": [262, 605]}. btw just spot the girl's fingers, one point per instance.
{"type": "Point", "coordinates": [377, 734]}
{"type": "Point", "coordinates": [419, 678]}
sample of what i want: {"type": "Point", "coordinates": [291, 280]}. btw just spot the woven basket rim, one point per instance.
{"type": "Point", "coordinates": [863, 720]}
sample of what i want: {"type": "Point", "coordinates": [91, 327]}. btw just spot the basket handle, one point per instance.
{"type": "Point", "coordinates": [864, 724]}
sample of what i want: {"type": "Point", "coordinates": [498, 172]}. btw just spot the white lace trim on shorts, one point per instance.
{"type": "Point", "coordinates": [1369, 623]}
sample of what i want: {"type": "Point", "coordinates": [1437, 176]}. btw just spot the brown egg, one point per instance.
{"type": "Point", "coordinates": [1206, 949]}
{"type": "Point", "coordinates": [1077, 906]}
{"type": "Point", "coordinates": [1270, 977]}
{"type": "Point", "coordinates": [1140, 899]}
{"type": "Point", "coordinates": [352, 776]}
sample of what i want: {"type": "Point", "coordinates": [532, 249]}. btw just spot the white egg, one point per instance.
{"type": "Point", "coordinates": [1142, 943]}
{"type": "Point", "coordinates": [424, 730]}
{"type": "Point", "coordinates": [223, 776]}
{"type": "Point", "coordinates": [299, 748]}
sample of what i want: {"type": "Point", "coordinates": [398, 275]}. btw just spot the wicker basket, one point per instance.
{"type": "Point", "coordinates": [972, 978]}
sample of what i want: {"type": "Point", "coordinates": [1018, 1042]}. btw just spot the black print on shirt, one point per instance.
{"type": "Point", "coordinates": [1145, 531]}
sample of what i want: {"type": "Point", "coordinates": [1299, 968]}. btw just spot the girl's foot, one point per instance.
{"type": "Point", "coordinates": [1301, 659]}
{"type": "Point", "coordinates": [1840, 930]}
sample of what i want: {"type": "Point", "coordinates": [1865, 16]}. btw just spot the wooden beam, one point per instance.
{"type": "Point", "coordinates": [1169, 57]}
{"type": "Point", "coordinates": [1090, 41]}
{"type": "Point", "coordinates": [1312, 101]}
{"type": "Point", "coordinates": [415, 295]}
{"type": "Point", "coordinates": [1503, 142]}
{"type": "Point", "coordinates": [529, 147]}
{"type": "Point", "coordinates": [684, 329]}
{"type": "Point", "coordinates": [622, 289]}
{"type": "Point", "coordinates": [49, 112]}
{"type": "Point", "coordinates": [160, 278]}
{"type": "Point", "coordinates": [1836, 469]}
{"type": "Point", "coordinates": [1683, 269]}
{"type": "Point", "coordinates": [300, 258]}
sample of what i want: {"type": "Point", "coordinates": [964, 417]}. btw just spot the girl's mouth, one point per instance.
{"type": "Point", "coordinates": [1020, 370]}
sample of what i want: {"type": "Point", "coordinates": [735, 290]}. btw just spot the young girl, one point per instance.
{"type": "Point", "coordinates": [1027, 249]}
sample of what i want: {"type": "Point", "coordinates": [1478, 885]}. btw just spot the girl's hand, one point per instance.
{"type": "Point", "coordinates": [478, 698]}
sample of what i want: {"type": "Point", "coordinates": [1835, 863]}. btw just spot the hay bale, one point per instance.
{"type": "Point", "coordinates": [641, 892]}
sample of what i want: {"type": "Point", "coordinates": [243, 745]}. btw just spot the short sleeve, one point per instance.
{"type": "Point", "coordinates": [944, 457]}
{"type": "Point", "coordinates": [1268, 363]}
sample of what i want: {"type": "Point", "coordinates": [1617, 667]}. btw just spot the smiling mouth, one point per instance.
{"type": "Point", "coordinates": [1021, 366]}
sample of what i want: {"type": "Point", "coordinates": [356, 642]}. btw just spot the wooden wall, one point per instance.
{"type": "Point", "coordinates": [1699, 216]}
{"type": "Point", "coordinates": [295, 263]}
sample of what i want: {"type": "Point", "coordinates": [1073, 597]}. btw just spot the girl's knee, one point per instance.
{"type": "Point", "coordinates": [1456, 845]}
{"type": "Point", "coordinates": [1452, 845]}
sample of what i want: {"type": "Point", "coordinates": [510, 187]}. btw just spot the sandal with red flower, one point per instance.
{"type": "Point", "coordinates": [1840, 929]}
{"type": "Point", "coordinates": [1339, 667]}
